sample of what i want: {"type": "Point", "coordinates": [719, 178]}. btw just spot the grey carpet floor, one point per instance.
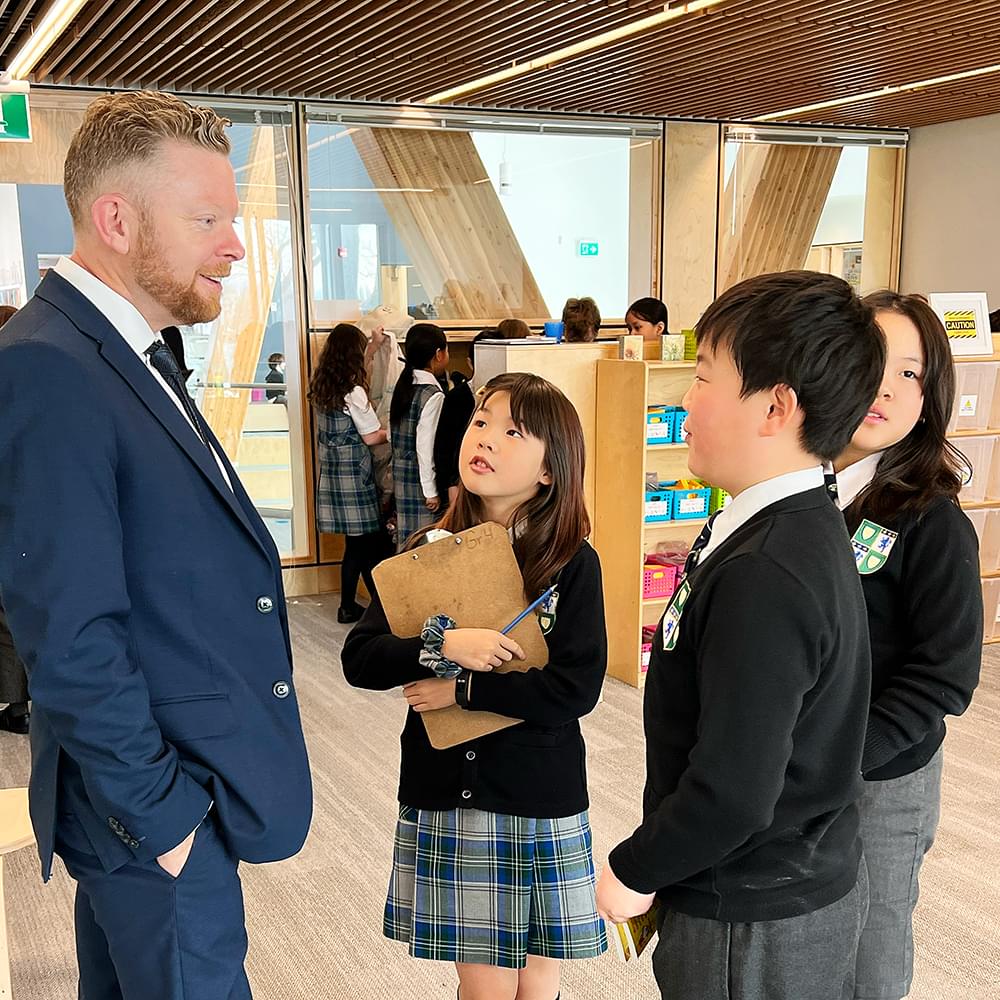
{"type": "Point", "coordinates": [314, 921]}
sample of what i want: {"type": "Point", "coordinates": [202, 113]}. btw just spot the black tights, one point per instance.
{"type": "Point", "coordinates": [362, 553]}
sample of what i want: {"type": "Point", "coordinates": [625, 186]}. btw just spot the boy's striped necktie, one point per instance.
{"type": "Point", "coordinates": [830, 481]}
{"type": "Point", "coordinates": [704, 537]}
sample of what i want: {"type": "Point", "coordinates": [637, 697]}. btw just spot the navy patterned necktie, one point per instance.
{"type": "Point", "coordinates": [162, 359]}
{"type": "Point", "coordinates": [704, 537]}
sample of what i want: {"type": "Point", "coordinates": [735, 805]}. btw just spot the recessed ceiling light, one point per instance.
{"type": "Point", "coordinates": [43, 35]}
{"type": "Point", "coordinates": [576, 49]}
{"type": "Point", "coordinates": [840, 102]}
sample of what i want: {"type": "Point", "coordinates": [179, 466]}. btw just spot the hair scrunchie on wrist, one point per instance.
{"type": "Point", "coordinates": [432, 635]}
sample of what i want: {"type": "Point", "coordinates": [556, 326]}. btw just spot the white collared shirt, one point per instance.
{"type": "Point", "coordinates": [855, 478]}
{"type": "Point", "coordinates": [129, 322]}
{"type": "Point", "coordinates": [426, 429]}
{"type": "Point", "coordinates": [754, 499]}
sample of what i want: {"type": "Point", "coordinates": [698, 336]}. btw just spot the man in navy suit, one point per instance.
{"type": "Point", "coordinates": [142, 590]}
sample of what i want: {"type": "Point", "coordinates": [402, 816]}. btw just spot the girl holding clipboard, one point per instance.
{"type": "Point", "coordinates": [492, 865]}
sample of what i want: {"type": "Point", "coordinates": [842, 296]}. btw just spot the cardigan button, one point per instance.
{"type": "Point", "coordinates": [466, 794]}
{"type": "Point", "coordinates": [470, 755]}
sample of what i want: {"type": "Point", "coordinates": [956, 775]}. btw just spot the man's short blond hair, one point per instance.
{"type": "Point", "coordinates": [124, 130]}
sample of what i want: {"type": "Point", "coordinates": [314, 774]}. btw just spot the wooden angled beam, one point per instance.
{"type": "Point", "coordinates": [771, 207]}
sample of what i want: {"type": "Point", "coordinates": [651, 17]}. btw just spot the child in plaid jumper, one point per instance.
{"type": "Point", "coordinates": [493, 866]}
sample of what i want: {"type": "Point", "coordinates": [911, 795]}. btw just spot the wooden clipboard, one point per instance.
{"type": "Point", "coordinates": [472, 577]}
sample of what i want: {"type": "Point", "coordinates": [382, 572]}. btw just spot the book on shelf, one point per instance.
{"type": "Point", "coordinates": [630, 939]}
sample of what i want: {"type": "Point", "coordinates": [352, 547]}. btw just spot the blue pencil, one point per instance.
{"type": "Point", "coordinates": [527, 611]}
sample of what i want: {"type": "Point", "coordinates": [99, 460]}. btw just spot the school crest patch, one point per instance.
{"type": "Point", "coordinates": [672, 616]}
{"type": "Point", "coordinates": [872, 544]}
{"type": "Point", "coordinates": [547, 613]}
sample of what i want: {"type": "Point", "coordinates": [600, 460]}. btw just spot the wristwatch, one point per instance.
{"type": "Point", "coordinates": [462, 689]}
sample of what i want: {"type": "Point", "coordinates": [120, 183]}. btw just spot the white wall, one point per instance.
{"type": "Point", "coordinates": [951, 211]}
{"type": "Point", "coordinates": [843, 218]}
{"type": "Point", "coordinates": [563, 190]}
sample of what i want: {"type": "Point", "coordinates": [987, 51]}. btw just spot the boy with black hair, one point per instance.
{"type": "Point", "coordinates": [756, 698]}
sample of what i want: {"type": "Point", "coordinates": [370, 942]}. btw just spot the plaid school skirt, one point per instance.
{"type": "Point", "coordinates": [481, 887]}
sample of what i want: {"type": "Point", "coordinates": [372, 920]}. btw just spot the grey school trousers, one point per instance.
{"type": "Point", "coordinates": [810, 957]}
{"type": "Point", "coordinates": [899, 818]}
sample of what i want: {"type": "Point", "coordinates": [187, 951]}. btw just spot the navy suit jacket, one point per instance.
{"type": "Point", "coordinates": [145, 598]}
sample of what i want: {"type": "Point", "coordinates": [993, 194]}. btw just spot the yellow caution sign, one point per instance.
{"type": "Point", "coordinates": [960, 324]}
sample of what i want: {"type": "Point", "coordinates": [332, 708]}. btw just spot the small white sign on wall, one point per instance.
{"type": "Point", "coordinates": [966, 321]}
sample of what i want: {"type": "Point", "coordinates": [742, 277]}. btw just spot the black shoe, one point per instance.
{"type": "Point", "coordinates": [15, 722]}
{"type": "Point", "coordinates": [350, 614]}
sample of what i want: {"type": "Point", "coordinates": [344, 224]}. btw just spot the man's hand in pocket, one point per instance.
{"type": "Point", "coordinates": [175, 859]}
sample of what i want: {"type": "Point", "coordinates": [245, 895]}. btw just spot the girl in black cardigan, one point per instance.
{"type": "Point", "coordinates": [898, 484]}
{"type": "Point", "coordinates": [492, 866]}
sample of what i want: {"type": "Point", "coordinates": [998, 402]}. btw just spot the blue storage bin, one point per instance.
{"type": "Point", "coordinates": [691, 504]}
{"type": "Point", "coordinates": [659, 505]}
{"type": "Point", "coordinates": [678, 429]}
{"type": "Point", "coordinates": [660, 424]}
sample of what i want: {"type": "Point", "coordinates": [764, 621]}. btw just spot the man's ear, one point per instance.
{"type": "Point", "coordinates": [782, 409]}
{"type": "Point", "coordinates": [115, 222]}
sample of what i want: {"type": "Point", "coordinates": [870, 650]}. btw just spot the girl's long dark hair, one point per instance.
{"type": "Point", "coordinates": [925, 465]}
{"type": "Point", "coordinates": [548, 528]}
{"type": "Point", "coordinates": [423, 341]}
{"type": "Point", "coordinates": [341, 367]}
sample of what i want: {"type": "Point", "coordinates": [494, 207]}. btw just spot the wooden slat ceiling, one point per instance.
{"type": "Point", "coordinates": [736, 61]}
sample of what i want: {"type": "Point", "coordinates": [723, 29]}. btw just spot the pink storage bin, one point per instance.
{"type": "Point", "coordinates": [658, 581]}
{"type": "Point", "coordinates": [647, 652]}
{"type": "Point", "coordinates": [646, 649]}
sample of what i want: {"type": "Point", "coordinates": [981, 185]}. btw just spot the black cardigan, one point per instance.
{"type": "Point", "coordinates": [536, 769]}
{"type": "Point", "coordinates": [755, 723]}
{"type": "Point", "coordinates": [456, 412]}
{"type": "Point", "coordinates": [925, 616]}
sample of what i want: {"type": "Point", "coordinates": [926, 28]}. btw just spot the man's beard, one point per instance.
{"type": "Point", "coordinates": [184, 303]}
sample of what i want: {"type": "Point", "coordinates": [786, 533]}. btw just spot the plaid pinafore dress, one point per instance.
{"type": "Point", "coordinates": [346, 498]}
{"type": "Point", "coordinates": [411, 512]}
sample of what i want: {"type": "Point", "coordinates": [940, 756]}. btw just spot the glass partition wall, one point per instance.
{"type": "Point", "coordinates": [815, 199]}
{"type": "Point", "coordinates": [248, 364]}
{"type": "Point", "coordinates": [469, 219]}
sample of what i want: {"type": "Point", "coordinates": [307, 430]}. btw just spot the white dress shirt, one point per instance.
{"type": "Point", "coordinates": [754, 499]}
{"type": "Point", "coordinates": [129, 322]}
{"type": "Point", "coordinates": [426, 429]}
{"type": "Point", "coordinates": [359, 408]}
{"type": "Point", "coordinates": [855, 478]}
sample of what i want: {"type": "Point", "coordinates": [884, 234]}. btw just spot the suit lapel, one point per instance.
{"type": "Point", "coordinates": [87, 318]}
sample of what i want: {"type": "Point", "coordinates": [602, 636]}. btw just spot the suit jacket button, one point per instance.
{"type": "Point", "coordinates": [265, 605]}
{"type": "Point", "coordinates": [466, 794]}
{"type": "Point", "coordinates": [280, 689]}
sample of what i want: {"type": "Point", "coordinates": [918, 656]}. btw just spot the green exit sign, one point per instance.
{"type": "Point", "coordinates": [586, 249]}
{"type": "Point", "coordinates": [15, 122]}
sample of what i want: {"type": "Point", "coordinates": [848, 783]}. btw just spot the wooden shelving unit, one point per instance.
{"type": "Point", "coordinates": [622, 458]}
